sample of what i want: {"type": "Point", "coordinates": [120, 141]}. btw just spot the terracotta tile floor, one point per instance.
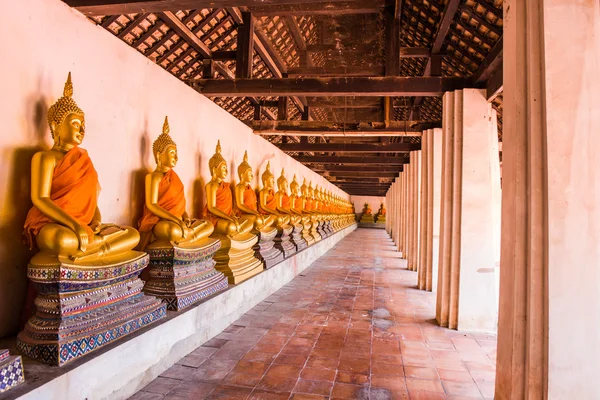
{"type": "Point", "coordinates": [352, 326]}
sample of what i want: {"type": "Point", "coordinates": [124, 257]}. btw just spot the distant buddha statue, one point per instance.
{"type": "Point", "coordinates": [219, 199]}
{"type": "Point", "coordinates": [65, 219]}
{"type": "Point", "coordinates": [164, 215]}
{"type": "Point", "coordinates": [267, 201]}
{"type": "Point", "coordinates": [368, 210]}
{"type": "Point", "coordinates": [296, 201]}
{"type": "Point", "coordinates": [245, 198]}
{"type": "Point", "coordinates": [283, 200]}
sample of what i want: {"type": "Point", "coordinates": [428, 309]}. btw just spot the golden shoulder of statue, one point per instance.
{"type": "Point", "coordinates": [165, 216]}
{"type": "Point", "coordinates": [65, 220]}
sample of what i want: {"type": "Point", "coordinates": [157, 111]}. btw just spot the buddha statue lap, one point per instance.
{"type": "Point", "coordinates": [246, 202]}
{"type": "Point", "coordinates": [177, 244]}
{"type": "Point", "coordinates": [86, 272]}
{"type": "Point", "coordinates": [236, 257]}
{"type": "Point", "coordinates": [268, 206]}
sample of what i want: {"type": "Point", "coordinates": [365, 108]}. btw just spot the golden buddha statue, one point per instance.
{"type": "Point", "coordinates": [296, 202]}
{"type": "Point", "coordinates": [65, 220]}
{"type": "Point", "coordinates": [267, 201]}
{"type": "Point", "coordinates": [283, 200]}
{"type": "Point", "coordinates": [245, 198]}
{"type": "Point", "coordinates": [309, 208]}
{"type": "Point", "coordinates": [367, 214]}
{"type": "Point", "coordinates": [219, 200]}
{"type": "Point", "coordinates": [164, 215]}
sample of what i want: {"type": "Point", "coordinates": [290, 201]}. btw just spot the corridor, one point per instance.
{"type": "Point", "coordinates": [352, 326]}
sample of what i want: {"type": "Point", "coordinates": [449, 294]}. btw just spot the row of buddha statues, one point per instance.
{"type": "Point", "coordinates": [87, 273]}
{"type": "Point", "coordinates": [369, 218]}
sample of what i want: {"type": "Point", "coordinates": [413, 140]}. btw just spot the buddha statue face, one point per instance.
{"type": "Point", "coordinates": [247, 176]}
{"type": "Point", "coordinates": [267, 178]}
{"type": "Point", "coordinates": [168, 157]}
{"type": "Point", "coordinates": [70, 131]}
{"type": "Point", "coordinates": [282, 183]}
{"type": "Point", "coordinates": [220, 171]}
{"type": "Point", "coordinates": [269, 182]}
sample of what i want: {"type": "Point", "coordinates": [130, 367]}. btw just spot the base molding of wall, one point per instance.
{"type": "Point", "coordinates": [120, 370]}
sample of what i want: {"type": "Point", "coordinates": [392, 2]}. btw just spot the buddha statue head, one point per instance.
{"type": "Point", "coordinates": [311, 192]}
{"type": "Point", "coordinates": [164, 148]}
{"type": "Point", "coordinates": [245, 170]}
{"type": "Point", "coordinates": [66, 120]}
{"type": "Point", "coordinates": [217, 164]}
{"type": "Point", "coordinates": [267, 177]}
{"type": "Point", "coordinates": [282, 182]}
{"type": "Point", "coordinates": [295, 187]}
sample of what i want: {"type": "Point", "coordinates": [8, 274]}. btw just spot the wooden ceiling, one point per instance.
{"type": "Point", "coordinates": [344, 86]}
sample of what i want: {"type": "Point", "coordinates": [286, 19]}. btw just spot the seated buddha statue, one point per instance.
{"type": "Point", "coordinates": [65, 220]}
{"type": "Point", "coordinates": [245, 198]}
{"type": "Point", "coordinates": [219, 200]}
{"type": "Point", "coordinates": [296, 201]}
{"type": "Point", "coordinates": [283, 200]}
{"type": "Point", "coordinates": [164, 215]}
{"type": "Point", "coordinates": [267, 201]}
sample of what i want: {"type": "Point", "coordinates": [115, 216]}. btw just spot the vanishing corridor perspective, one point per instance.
{"type": "Point", "coordinates": [352, 326]}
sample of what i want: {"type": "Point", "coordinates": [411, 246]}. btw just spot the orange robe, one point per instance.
{"type": "Point", "coordinates": [271, 202]}
{"type": "Point", "coordinates": [250, 198]}
{"type": "Point", "coordinates": [286, 203]}
{"type": "Point", "coordinates": [224, 203]}
{"type": "Point", "coordinates": [309, 205]}
{"type": "Point", "coordinates": [74, 189]}
{"type": "Point", "coordinates": [171, 197]}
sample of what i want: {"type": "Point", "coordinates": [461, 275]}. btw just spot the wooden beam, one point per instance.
{"type": "Point", "coordinates": [346, 160]}
{"type": "Point", "coordinates": [118, 7]}
{"type": "Point", "coordinates": [338, 86]}
{"type": "Point", "coordinates": [282, 109]}
{"type": "Point", "coordinates": [350, 47]}
{"type": "Point", "coordinates": [342, 129]}
{"type": "Point", "coordinates": [490, 64]}
{"type": "Point", "coordinates": [494, 85]}
{"type": "Point", "coordinates": [353, 102]}
{"type": "Point", "coordinates": [361, 174]}
{"type": "Point", "coordinates": [356, 168]}
{"type": "Point", "coordinates": [326, 8]}
{"type": "Point", "coordinates": [336, 71]}
{"type": "Point", "coordinates": [245, 47]}
{"type": "Point", "coordinates": [185, 33]}
{"type": "Point", "coordinates": [415, 52]}
{"type": "Point", "coordinates": [351, 147]}
{"type": "Point", "coordinates": [295, 31]}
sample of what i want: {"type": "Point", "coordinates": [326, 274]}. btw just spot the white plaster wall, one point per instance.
{"type": "Point", "coordinates": [477, 293]}
{"type": "Point", "coordinates": [572, 60]}
{"type": "Point", "coordinates": [126, 98]}
{"type": "Point", "coordinates": [374, 202]}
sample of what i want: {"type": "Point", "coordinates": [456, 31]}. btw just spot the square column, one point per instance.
{"type": "Point", "coordinates": [548, 343]}
{"type": "Point", "coordinates": [435, 196]}
{"type": "Point", "coordinates": [466, 286]}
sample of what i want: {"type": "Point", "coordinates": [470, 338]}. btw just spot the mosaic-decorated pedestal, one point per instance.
{"type": "Point", "coordinates": [321, 230]}
{"type": "Point", "coordinates": [329, 227]}
{"type": "Point", "coordinates": [184, 275]}
{"type": "Point", "coordinates": [265, 249]}
{"type": "Point", "coordinates": [314, 230]}
{"type": "Point", "coordinates": [306, 228]}
{"type": "Point", "coordinates": [297, 238]}
{"type": "Point", "coordinates": [11, 371]}
{"type": "Point", "coordinates": [283, 240]}
{"type": "Point", "coordinates": [236, 257]}
{"type": "Point", "coordinates": [82, 307]}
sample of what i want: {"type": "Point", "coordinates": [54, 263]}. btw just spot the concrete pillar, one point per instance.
{"type": "Point", "coordinates": [413, 262]}
{"type": "Point", "coordinates": [466, 295]}
{"type": "Point", "coordinates": [425, 276]}
{"type": "Point", "coordinates": [405, 214]}
{"type": "Point", "coordinates": [548, 343]}
{"type": "Point", "coordinates": [435, 144]}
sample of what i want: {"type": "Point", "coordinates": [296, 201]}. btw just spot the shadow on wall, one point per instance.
{"type": "Point", "coordinates": [199, 188]}
{"type": "Point", "coordinates": [138, 177]}
{"type": "Point", "coordinates": [17, 202]}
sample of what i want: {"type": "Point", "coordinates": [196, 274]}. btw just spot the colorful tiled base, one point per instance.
{"type": "Point", "coordinates": [297, 238]}
{"type": "Point", "coordinates": [11, 371]}
{"type": "Point", "coordinates": [236, 257]}
{"type": "Point", "coordinates": [184, 275]}
{"type": "Point", "coordinates": [81, 307]}
{"type": "Point", "coordinates": [265, 249]}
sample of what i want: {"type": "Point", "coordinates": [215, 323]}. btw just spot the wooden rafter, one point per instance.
{"type": "Point", "coordinates": [327, 8]}
{"type": "Point", "coordinates": [326, 128]}
{"type": "Point", "coordinates": [351, 147]}
{"type": "Point", "coordinates": [335, 86]}
{"type": "Point", "coordinates": [345, 160]}
{"type": "Point", "coordinates": [185, 33]}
